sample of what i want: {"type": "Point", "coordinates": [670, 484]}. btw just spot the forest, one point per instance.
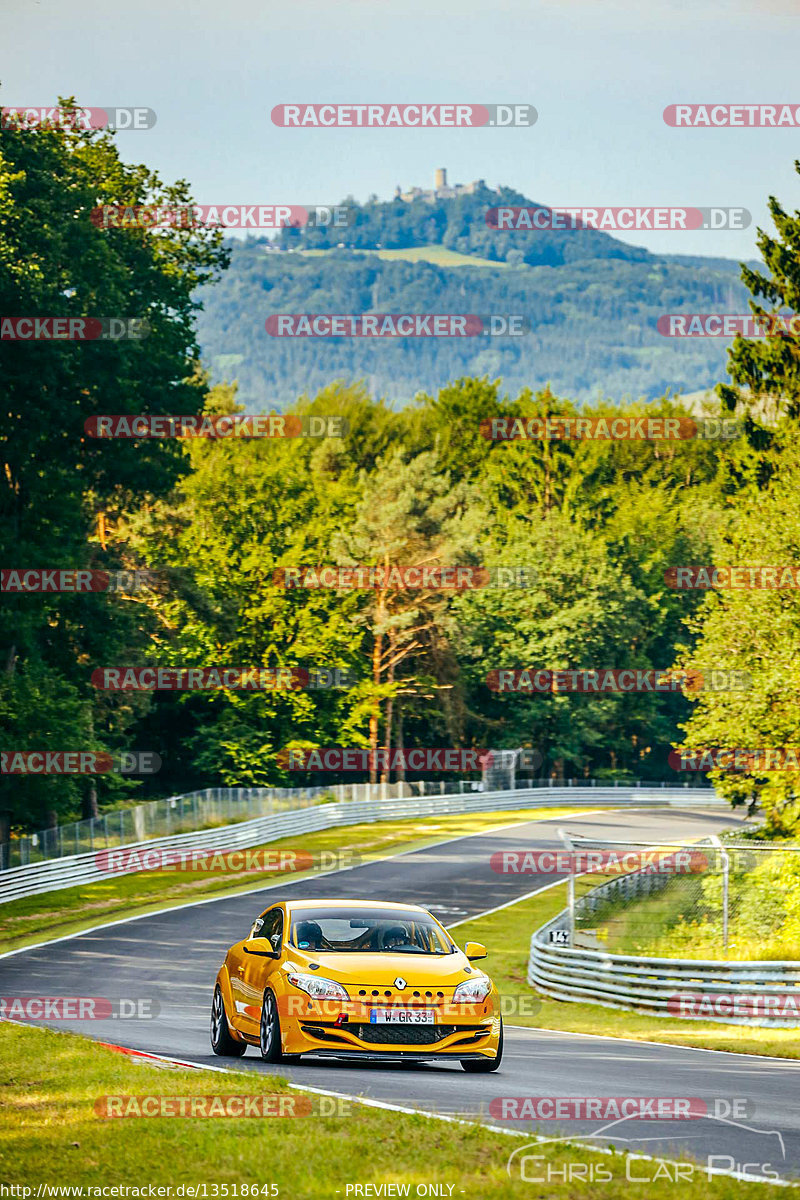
{"type": "Point", "coordinates": [578, 540]}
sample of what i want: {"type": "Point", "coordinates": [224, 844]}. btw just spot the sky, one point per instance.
{"type": "Point", "coordinates": [599, 74]}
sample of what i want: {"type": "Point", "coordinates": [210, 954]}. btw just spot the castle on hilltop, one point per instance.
{"type": "Point", "coordinates": [441, 190]}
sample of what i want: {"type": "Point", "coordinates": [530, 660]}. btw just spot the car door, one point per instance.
{"type": "Point", "coordinates": [254, 969]}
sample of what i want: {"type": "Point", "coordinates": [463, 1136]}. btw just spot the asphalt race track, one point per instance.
{"type": "Point", "coordinates": [171, 958]}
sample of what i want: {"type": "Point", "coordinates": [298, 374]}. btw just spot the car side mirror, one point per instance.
{"type": "Point", "coordinates": [262, 947]}
{"type": "Point", "coordinates": [474, 950]}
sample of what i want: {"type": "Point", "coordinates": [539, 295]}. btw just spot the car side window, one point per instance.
{"type": "Point", "coordinates": [271, 927]}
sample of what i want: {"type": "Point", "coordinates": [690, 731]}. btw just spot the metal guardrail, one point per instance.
{"type": "Point", "coordinates": [53, 874]}
{"type": "Point", "coordinates": [223, 805]}
{"type": "Point", "coordinates": [692, 989]}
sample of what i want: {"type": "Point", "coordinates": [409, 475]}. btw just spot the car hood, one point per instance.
{"type": "Point", "coordinates": [383, 968]}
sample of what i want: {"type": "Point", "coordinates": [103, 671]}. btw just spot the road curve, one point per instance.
{"type": "Point", "coordinates": [172, 957]}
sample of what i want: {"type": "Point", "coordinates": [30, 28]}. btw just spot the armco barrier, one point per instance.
{"type": "Point", "coordinates": [653, 985]}
{"type": "Point", "coordinates": [214, 806]}
{"type": "Point", "coordinates": [57, 873]}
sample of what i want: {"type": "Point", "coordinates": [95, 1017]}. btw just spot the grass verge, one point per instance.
{"type": "Point", "coordinates": [507, 934]}
{"type": "Point", "coordinates": [50, 1133]}
{"type": "Point", "coordinates": [35, 919]}
{"type": "Point", "coordinates": [685, 919]}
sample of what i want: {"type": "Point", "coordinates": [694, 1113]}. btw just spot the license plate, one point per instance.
{"type": "Point", "coordinates": [401, 1016]}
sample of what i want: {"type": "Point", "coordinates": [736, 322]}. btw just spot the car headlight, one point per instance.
{"type": "Point", "coordinates": [318, 987]}
{"type": "Point", "coordinates": [472, 991]}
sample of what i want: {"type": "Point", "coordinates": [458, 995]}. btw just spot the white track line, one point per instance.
{"type": "Point", "coordinates": [508, 904]}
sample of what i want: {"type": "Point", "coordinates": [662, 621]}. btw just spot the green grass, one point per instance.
{"type": "Point", "coordinates": [684, 919]}
{"type": "Point", "coordinates": [628, 928]}
{"type": "Point", "coordinates": [50, 1133]}
{"type": "Point", "coordinates": [440, 256]}
{"type": "Point", "coordinates": [507, 933]}
{"type": "Point", "coordinates": [36, 919]}
{"type": "Point", "coordinates": [674, 924]}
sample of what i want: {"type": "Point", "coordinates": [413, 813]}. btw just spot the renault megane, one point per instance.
{"type": "Point", "coordinates": [356, 979]}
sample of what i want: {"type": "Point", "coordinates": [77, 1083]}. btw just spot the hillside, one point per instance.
{"type": "Point", "coordinates": [592, 302]}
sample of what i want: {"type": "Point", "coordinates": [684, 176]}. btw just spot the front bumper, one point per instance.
{"type": "Point", "coordinates": [397, 1055]}
{"type": "Point", "coordinates": [458, 1031]}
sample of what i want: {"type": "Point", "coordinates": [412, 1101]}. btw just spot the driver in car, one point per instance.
{"type": "Point", "coordinates": [308, 936]}
{"type": "Point", "coordinates": [396, 936]}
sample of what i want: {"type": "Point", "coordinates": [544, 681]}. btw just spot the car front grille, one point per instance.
{"type": "Point", "coordinates": [408, 1035]}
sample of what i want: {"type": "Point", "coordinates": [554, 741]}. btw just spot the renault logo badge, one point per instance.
{"type": "Point", "coordinates": [400, 983]}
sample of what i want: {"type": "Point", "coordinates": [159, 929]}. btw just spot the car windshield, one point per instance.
{"type": "Point", "coordinates": [367, 930]}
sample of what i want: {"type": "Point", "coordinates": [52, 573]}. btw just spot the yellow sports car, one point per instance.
{"type": "Point", "coordinates": [356, 979]}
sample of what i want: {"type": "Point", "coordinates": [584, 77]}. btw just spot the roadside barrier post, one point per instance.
{"type": "Point", "coordinates": [726, 864]}
{"type": "Point", "coordinates": [567, 840]}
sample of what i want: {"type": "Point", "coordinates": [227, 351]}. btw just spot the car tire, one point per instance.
{"type": "Point", "coordinates": [222, 1042]}
{"type": "Point", "coordinates": [481, 1066]}
{"type": "Point", "coordinates": [269, 1030]}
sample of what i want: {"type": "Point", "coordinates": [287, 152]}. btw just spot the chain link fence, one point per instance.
{"type": "Point", "coordinates": [739, 898]}
{"type": "Point", "coordinates": [195, 811]}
